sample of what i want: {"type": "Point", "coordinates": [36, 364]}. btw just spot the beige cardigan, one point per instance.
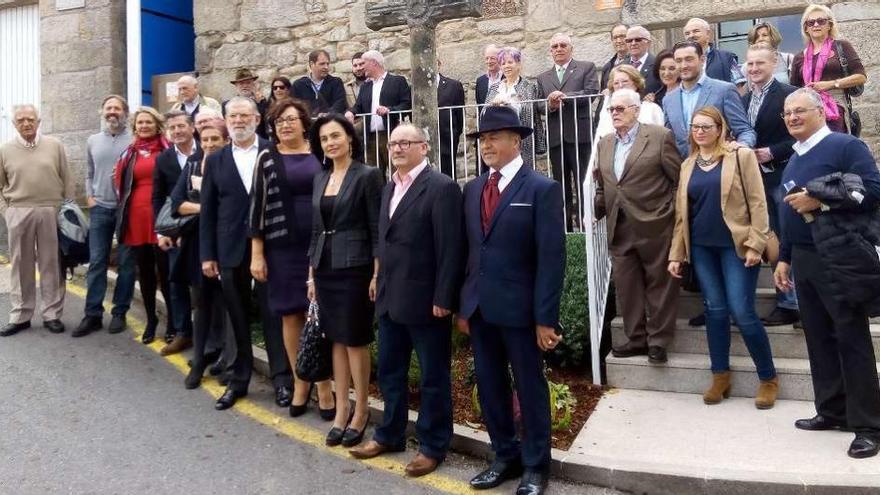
{"type": "Point", "coordinates": [746, 232]}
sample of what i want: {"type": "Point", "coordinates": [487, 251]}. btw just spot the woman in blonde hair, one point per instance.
{"type": "Point", "coordinates": [627, 76]}
{"type": "Point", "coordinates": [721, 229]}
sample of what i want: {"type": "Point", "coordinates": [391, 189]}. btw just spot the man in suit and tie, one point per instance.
{"type": "Point", "coordinates": [321, 91]}
{"type": "Point", "coordinates": [638, 176]}
{"type": "Point", "coordinates": [764, 103]}
{"type": "Point", "coordinates": [450, 93]}
{"type": "Point", "coordinates": [515, 238]}
{"type": "Point", "coordinates": [225, 250]}
{"type": "Point", "coordinates": [493, 74]}
{"type": "Point", "coordinates": [697, 90]}
{"type": "Point", "coordinates": [638, 41]}
{"type": "Point", "coordinates": [420, 254]}
{"type": "Point", "coordinates": [169, 165]}
{"type": "Point", "coordinates": [569, 152]}
{"type": "Point", "coordinates": [382, 95]}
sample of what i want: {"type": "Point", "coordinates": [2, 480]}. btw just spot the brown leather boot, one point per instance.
{"type": "Point", "coordinates": [720, 388]}
{"type": "Point", "coordinates": [179, 344]}
{"type": "Point", "coordinates": [767, 391]}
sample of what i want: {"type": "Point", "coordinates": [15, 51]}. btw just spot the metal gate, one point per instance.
{"type": "Point", "coordinates": [19, 62]}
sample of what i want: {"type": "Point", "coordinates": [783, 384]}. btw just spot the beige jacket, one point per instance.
{"type": "Point", "coordinates": [747, 232]}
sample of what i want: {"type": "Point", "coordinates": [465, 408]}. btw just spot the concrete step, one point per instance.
{"type": "Point", "coordinates": [786, 341]}
{"type": "Point", "coordinates": [690, 374]}
{"type": "Point", "coordinates": [690, 304]}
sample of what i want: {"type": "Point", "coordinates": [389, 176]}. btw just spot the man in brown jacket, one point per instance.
{"type": "Point", "coordinates": [638, 169]}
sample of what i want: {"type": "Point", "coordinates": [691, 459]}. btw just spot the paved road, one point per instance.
{"type": "Point", "coordinates": [106, 414]}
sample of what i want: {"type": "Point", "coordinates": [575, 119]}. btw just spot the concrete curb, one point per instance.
{"type": "Point", "coordinates": [625, 474]}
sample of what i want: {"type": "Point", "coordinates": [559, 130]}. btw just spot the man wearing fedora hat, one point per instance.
{"type": "Point", "coordinates": [515, 238]}
{"type": "Point", "coordinates": [245, 83]}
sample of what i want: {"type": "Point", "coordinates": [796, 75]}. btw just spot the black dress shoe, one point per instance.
{"type": "Point", "coordinates": [54, 326]}
{"type": "Point", "coordinates": [532, 483]}
{"type": "Point", "coordinates": [150, 331]}
{"type": "Point", "coordinates": [218, 367]}
{"type": "Point", "coordinates": [657, 354]}
{"type": "Point", "coordinates": [283, 396]}
{"type": "Point", "coordinates": [228, 399]}
{"type": "Point", "coordinates": [498, 473]}
{"type": "Point", "coordinates": [117, 324]}
{"type": "Point", "coordinates": [781, 316]}
{"type": "Point", "coordinates": [14, 328]}
{"type": "Point", "coordinates": [626, 351]}
{"type": "Point", "coordinates": [88, 325]}
{"type": "Point", "coordinates": [170, 333]}
{"type": "Point", "coordinates": [194, 377]}
{"type": "Point", "coordinates": [819, 423]}
{"type": "Point", "coordinates": [352, 437]}
{"type": "Point", "coordinates": [863, 447]}
{"type": "Point", "coordinates": [698, 321]}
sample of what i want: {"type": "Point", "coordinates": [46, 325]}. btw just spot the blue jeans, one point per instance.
{"type": "Point", "coordinates": [785, 300]}
{"type": "Point", "coordinates": [102, 225]}
{"type": "Point", "coordinates": [729, 290]}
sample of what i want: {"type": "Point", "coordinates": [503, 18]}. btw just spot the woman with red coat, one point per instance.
{"type": "Point", "coordinates": [134, 225]}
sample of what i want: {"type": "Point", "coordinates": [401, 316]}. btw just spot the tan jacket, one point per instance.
{"type": "Point", "coordinates": [746, 232]}
{"type": "Point", "coordinates": [646, 189]}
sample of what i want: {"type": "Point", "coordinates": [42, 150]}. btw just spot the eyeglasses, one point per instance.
{"type": "Point", "coordinates": [559, 45]}
{"type": "Point", "coordinates": [619, 37]}
{"type": "Point", "coordinates": [702, 128]}
{"type": "Point", "coordinates": [403, 145]}
{"type": "Point", "coordinates": [636, 40]}
{"type": "Point", "coordinates": [276, 88]}
{"type": "Point", "coordinates": [619, 109]}
{"type": "Point", "coordinates": [797, 112]}
{"type": "Point", "coordinates": [817, 22]}
{"type": "Point", "coordinates": [286, 120]}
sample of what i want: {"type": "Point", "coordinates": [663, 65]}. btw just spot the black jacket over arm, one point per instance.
{"type": "Point", "coordinates": [420, 249]}
{"type": "Point", "coordinates": [330, 99]}
{"type": "Point", "coordinates": [354, 228]}
{"type": "Point", "coordinates": [165, 175]}
{"type": "Point", "coordinates": [771, 130]}
{"type": "Point", "coordinates": [396, 95]}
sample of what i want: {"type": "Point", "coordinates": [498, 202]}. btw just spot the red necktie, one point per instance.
{"type": "Point", "coordinates": [491, 197]}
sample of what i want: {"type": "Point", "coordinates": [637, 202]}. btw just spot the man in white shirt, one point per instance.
{"type": "Point", "coordinates": [190, 99]}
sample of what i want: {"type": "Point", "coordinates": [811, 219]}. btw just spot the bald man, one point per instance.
{"type": "Point", "coordinates": [190, 100]}
{"type": "Point", "coordinates": [719, 64]}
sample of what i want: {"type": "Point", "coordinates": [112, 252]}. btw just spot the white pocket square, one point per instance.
{"type": "Point", "coordinates": [520, 204]}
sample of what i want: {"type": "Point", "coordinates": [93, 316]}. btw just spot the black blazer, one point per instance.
{"type": "Point", "coordinates": [606, 73]}
{"type": "Point", "coordinates": [652, 84]}
{"type": "Point", "coordinates": [165, 175]}
{"type": "Point", "coordinates": [223, 222]}
{"type": "Point", "coordinates": [450, 93]}
{"type": "Point", "coordinates": [354, 228]}
{"type": "Point", "coordinates": [330, 99]}
{"type": "Point", "coordinates": [481, 89]}
{"type": "Point", "coordinates": [771, 130]}
{"type": "Point", "coordinates": [396, 95]}
{"type": "Point", "coordinates": [420, 249]}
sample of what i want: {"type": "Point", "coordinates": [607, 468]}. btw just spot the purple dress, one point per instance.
{"type": "Point", "coordinates": [288, 262]}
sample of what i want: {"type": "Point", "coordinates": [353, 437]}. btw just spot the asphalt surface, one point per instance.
{"type": "Point", "coordinates": [106, 414]}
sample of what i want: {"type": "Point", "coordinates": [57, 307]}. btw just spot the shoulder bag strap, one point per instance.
{"type": "Point", "coordinates": [743, 185]}
{"type": "Point", "coordinates": [844, 65]}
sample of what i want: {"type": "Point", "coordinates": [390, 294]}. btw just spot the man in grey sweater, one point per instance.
{"type": "Point", "coordinates": [102, 152]}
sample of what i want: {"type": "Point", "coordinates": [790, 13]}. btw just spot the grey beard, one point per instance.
{"type": "Point", "coordinates": [114, 128]}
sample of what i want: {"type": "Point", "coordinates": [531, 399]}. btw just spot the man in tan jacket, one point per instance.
{"type": "Point", "coordinates": [34, 180]}
{"type": "Point", "coordinates": [638, 170]}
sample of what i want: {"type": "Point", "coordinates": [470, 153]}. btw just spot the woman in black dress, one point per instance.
{"type": "Point", "coordinates": [280, 229]}
{"type": "Point", "coordinates": [343, 262]}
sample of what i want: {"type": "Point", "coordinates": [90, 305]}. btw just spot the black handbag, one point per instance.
{"type": "Point", "coordinates": [689, 281]}
{"type": "Point", "coordinates": [313, 360]}
{"type": "Point", "coordinates": [855, 120]}
{"type": "Point", "coordinates": [169, 225]}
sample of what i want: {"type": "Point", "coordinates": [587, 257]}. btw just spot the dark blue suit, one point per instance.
{"type": "Point", "coordinates": [513, 282]}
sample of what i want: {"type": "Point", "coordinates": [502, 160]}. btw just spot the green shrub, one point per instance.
{"type": "Point", "coordinates": [574, 318]}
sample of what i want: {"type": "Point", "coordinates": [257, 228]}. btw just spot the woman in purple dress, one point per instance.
{"type": "Point", "coordinates": [281, 227]}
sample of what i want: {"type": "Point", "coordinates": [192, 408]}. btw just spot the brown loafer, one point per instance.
{"type": "Point", "coordinates": [421, 465]}
{"type": "Point", "coordinates": [371, 449]}
{"type": "Point", "coordinates": [179, 344]}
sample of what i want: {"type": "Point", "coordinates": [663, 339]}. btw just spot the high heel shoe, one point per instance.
{"type": "Point", "coordinates": [335, 435]}
{"type": "Point", "coordinates": [328, 414]}
{"type": "Point", "coordinates": [298, 410]}
{"type": "Point", "coordinates": [150, 331]}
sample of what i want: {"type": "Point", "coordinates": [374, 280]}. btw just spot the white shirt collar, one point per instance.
{"type": "Point", "coordinates": [192, 147]}
{"type": "Point", "coordinates": [26, 144]}
{"type": "Point", "coordinates": [509, 171]}
{"type": "Point", "coordinates": [381, 78]}
{"type": "Point", "coordinates": [254, 146]}
{"type": "Point", "coordinates": [564, 66]}
{"type": "Point", "coordinates": [803, 147]}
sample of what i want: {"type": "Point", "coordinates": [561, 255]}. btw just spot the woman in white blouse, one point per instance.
{"type": "Point", "coordinates": [627, 76]}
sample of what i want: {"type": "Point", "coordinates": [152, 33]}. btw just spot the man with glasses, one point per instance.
{"type": "Point", "coordinates": [621, 53]}
{"type": "Point", "coordinates": [568, 121]}
{"type": "Point", "coordinates": [842, 360]}
{"type": "Point", "coordinates": [246, 86]}
{"type": "Point", "coordinates": [638, 42]}
{"type": "Point", "coordinates": [636, 191]}
{"type": "Point", "coordinates": [190, 99]}
{"type": "Point", "coordinates": [492, 76]}
{"type": "Point", "coordinates": [420, 255]}
{"type": "Point", "coordinates": [718, 64]}
{"type": "Point", "coordinates": [321, 91]}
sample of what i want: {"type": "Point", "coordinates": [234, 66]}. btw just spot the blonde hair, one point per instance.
{"type": "Point", "coordinates": [825, 10]}
{"type": "Point", "coordinates": [713, 113]}
{"type": "Point", "coordinates": [157, 117]}
{"type": "Point", "coordinates": [630, 71]}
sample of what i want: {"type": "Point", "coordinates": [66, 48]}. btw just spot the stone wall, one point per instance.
{"type": "Point", "coordinates": [83, 60]}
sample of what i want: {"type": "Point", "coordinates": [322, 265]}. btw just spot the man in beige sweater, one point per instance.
{"type": "Point", "coordinates": [34, 180]}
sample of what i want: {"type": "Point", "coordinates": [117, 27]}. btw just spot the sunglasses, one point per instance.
{"type": "Point", "coordinates": [619, 109]}
{"type": "Point", "coordinates": [636, 40]}
{"type": "Point", "coordinates": [279, 87]}
{"type": "Point", "coordinates": [816, 22]}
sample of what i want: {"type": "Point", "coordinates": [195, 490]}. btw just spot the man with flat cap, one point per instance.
{"type": "Point", "coordinates": [515, 240]}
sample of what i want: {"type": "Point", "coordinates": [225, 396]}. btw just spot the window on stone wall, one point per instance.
{"type": "Point", "coordinates": [733, 35]}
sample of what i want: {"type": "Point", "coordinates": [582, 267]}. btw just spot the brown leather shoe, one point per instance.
{"type": "Point", "coordinates": [767, 392]}
{"type": "Point", "coordinates": [370, 449]}
{"type": "Point", "coordinates": [719, 390]}
{"type": "Point", "coordinates": [179, 344]}
{"type": "Point", "coordinates": [421, 465]}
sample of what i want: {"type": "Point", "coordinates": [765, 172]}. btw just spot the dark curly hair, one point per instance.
{"type": "Point", "coordinates": [280, 106]}
{"type": "Point", "coordinates": [357, 147]}
{"type": "Point", "coordinates": [663, 55]}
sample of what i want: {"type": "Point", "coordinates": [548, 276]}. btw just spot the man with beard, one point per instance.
{"type": "Point", "coordinates": [246, 86]}
{"type": "Point", "coordinates": [102, 151]}
{"type": "Point", "coordinates": [225, 251]}
{"type": "Point", "coordinates": [353, 86]}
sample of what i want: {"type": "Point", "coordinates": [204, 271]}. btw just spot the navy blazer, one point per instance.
{"type": "Point", "coordinates": [330, 99]}
{"type": "Point", "coordinates": [514, 273]}
{"type": "Point", "coordinates": [720, 64]}
{"type": "Point", "coordinates": [396, 94]}
{"type": "Point", "coordinates": [165, 175]}
{"type": "Point", "coordinates": [223, 221]}
{"type": "Point", "coordinates": [771, 130]}
{"type": "Point", "coordinates": [420, 249]}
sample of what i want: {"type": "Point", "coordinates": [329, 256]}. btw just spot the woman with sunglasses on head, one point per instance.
{"type": "Point", "coordinates": [767, 33]}
{"type": "Point", "coordinates": [721, 228]}
{"type": "Point", "coordinates": [281, 88]}
{"type": "Point", "coordinates": [819, 66]}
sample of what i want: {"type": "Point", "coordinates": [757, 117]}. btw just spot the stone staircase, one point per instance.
{"type": "Point", "coordinates": [688, 370]}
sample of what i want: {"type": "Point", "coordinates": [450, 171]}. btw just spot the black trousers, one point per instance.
{"type": "Point", "coordinates": [569, 166]}
{"type": "Point", "coordinates": [210, 334]}
{"type": "Point", "coordinates": [448, 150]}
{"type": "Point", "coordinates": [273, 334]}
{"type": "Point", "coordinates": [152, 273]}
{"type": "Point", "coordinates": [842, 359]}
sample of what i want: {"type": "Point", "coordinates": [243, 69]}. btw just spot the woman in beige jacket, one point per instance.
{"type": "Point", "coordinates": [721, 229]}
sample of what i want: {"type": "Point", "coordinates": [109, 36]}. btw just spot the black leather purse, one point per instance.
{"type": "Point", "coordinates": [170, 225]}
{"type": "Point", "coordinates": [855, 120]}
{"type": "Point", "coordinates": [313, 360]}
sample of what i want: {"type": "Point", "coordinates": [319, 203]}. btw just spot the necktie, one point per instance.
{"type": "Point", "coordinates": [636, 63]}
{"type": "Point", "coordinates": [491, 197]}
{"type": "Point", "coordinates": [560, 73]}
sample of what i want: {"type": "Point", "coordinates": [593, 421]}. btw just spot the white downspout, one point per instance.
{"type": "Point", "coordinates": [133, 51]}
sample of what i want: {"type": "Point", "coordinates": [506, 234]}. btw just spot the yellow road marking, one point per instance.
{"type": "Point", "coordinates": [288, 427]}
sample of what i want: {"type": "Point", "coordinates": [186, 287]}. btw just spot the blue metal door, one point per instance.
{"type": "Point", "coordinates": [167, 40]}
